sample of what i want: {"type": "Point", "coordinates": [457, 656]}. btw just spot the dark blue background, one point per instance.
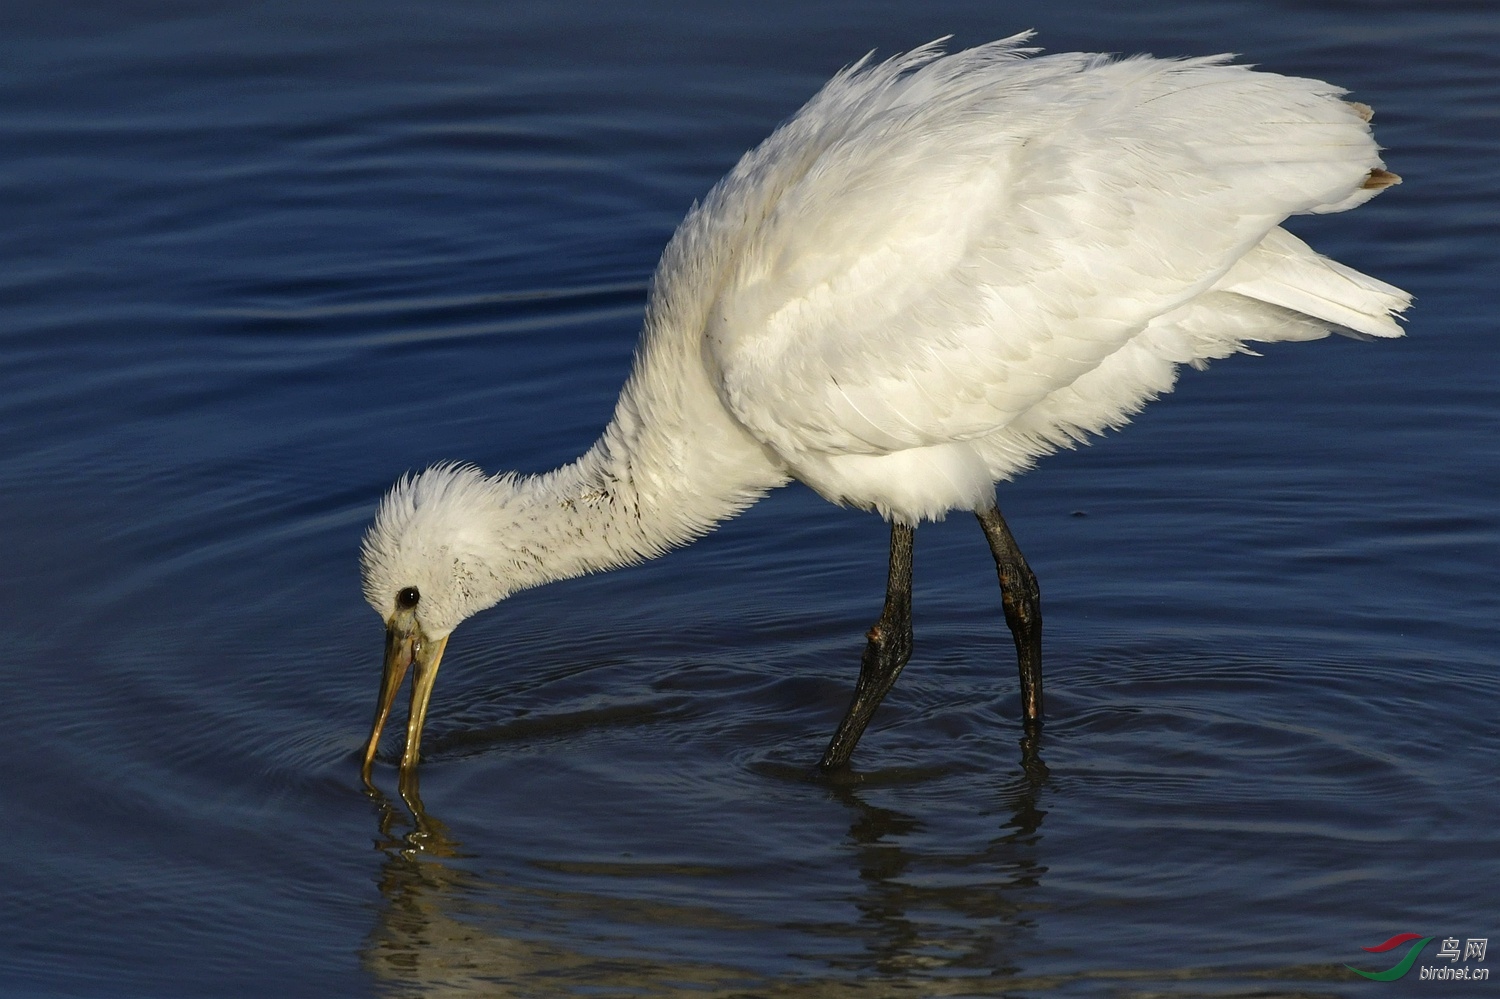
{"type": "Point", "coordinates": [259, 259]}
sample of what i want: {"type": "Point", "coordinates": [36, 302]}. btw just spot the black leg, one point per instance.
{"type": "Point", "coordinates": [1022, 600]}
{"type": "Point", "coordinates": [886, 652]}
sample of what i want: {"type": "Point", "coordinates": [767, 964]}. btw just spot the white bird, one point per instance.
{"type": "Point", "coordinates": [942, 268]}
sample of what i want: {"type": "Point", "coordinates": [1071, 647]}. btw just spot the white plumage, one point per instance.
{"type": "Point", "coordinates": [942, 268]}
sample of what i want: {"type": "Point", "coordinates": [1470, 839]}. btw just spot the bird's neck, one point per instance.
{"type": "Point", "coordinates": [671, 464]}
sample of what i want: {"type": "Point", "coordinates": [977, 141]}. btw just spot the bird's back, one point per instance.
{"type": "Point", "coordinates": [980, 256]}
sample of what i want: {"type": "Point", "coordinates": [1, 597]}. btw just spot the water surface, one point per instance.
{"type": "Point", "coordinates": [261, 259]}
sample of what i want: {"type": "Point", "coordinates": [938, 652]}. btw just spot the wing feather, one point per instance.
{"type": "Point", "coordinates": [942, 243]}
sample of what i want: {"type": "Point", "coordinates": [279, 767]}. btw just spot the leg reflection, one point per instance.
{"type": "Point", "coordinates": [927, 905]}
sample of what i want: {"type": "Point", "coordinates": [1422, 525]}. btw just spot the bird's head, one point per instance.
{"type": "Point", "coordinates": [435, 555]}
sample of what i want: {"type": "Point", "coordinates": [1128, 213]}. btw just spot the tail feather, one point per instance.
{"type": "Point", "coordinates": [1285, 271]}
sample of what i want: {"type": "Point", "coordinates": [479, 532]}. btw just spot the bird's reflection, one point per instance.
{"type": "Point", "coordinates": [905, 887]}
{"type": "Point", "coordinates": [412, 942]}
{"type": "Point", "coordinates": [450, 924]}
{"type": "Point", "coordinates": [409, 831]}
{"type": "Point", "coordinates": [447, 929]}
{"type": "Point", "coordinates": [432, 936]}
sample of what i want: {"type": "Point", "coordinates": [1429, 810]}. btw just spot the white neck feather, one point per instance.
{"type": "Point", "coordinates": [640, 491]}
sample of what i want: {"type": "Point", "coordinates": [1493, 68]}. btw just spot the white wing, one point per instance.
{"type": "Point", "coordinates": [937, 244]}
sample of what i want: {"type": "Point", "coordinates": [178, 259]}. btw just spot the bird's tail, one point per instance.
{"type": "Point", "coordinates": [1286, 272]}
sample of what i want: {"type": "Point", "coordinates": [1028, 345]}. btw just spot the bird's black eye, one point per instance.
{"type": "Point", "coordinates": [408, 598]}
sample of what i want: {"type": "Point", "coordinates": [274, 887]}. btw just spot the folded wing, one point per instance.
{"type": "Point", "coordinates": [943, 243]}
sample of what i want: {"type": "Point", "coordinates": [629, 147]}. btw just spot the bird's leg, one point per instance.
{"type": "Point", "coordinates": [886, 652]}
{"type": "Point", "coordinates": [1022, 600]}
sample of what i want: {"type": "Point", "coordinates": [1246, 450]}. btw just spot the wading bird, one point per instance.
{"type": "Point", "coordinates": [942, 268]}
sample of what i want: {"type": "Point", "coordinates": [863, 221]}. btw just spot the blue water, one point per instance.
{"type": "Point", "coordinates": [259, 259]}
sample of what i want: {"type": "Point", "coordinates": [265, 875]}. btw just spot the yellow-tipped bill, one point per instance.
{"type": "Point", "coordinates": [405, 646]}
